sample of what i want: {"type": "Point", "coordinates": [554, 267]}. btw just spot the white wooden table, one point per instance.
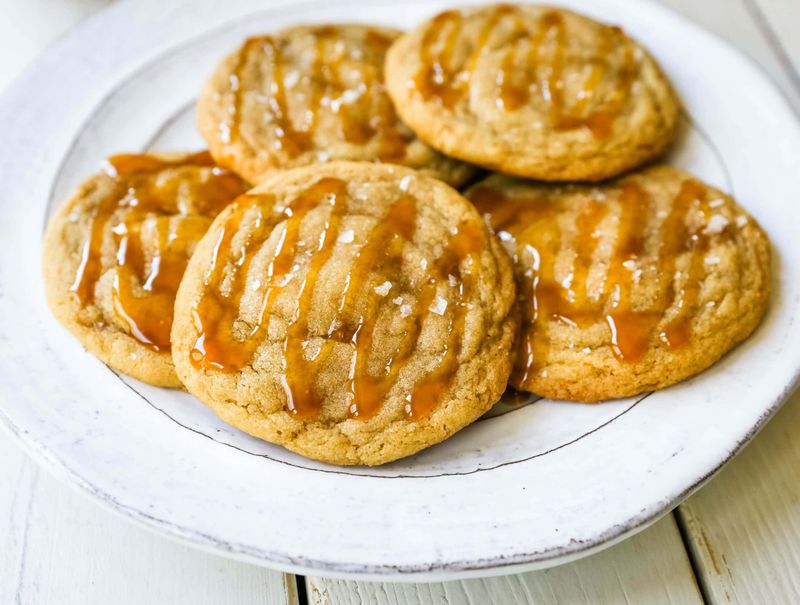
{"type": "Point", "coordinates": [736, 541]}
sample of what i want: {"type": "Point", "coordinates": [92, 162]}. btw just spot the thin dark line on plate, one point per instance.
{"type": "Point", "coordinates": [714, 149]}
{"type": "Point", "coordinates": [300, 8]}
{"type": "Point", "coordinates": [766, 29]}
{"type": "Point", "coordinates": [616, 531]}
{"type": "Point", "coordinates": [576, 546]}
{"type": "Point", "coordinates": [170, 121]}
{"type": "Point", "coordinates": [105, 100]}
{"type": "Point", "coordinates": [375, 476]}
{"type": "Point", "coordinates": [488, 415]}
{"type": "Point", "coordinates": [175, 116]}
{"type": "Point", "coordinates": [259, 554]}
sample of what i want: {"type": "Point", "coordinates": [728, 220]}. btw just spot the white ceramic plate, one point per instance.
{"type": "Point", "coordinates": [533, 487]}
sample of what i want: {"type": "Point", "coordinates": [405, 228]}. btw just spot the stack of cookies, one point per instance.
{"type": "Point", "coordinates": [340, 274]}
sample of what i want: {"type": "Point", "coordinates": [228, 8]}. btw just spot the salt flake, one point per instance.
{"type": "Point", "coordinates": [439, 306]}
{"type": "Point", "coordinates": [383, 289]}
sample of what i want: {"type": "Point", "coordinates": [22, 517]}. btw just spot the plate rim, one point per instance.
{"type": "Point", "coordinates": [47, 458]}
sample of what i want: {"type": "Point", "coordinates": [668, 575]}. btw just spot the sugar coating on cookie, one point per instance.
{"type": "Point", "coordinates": [311, 94]}
{"type": "Point", "coordinates": [115, 252]}
{"type": "Point", "coordinates": [354, 313]}
{"type": "Point", "coordinates": [532, 91]}
{"type": "Point", "coordinates": [628, 286]}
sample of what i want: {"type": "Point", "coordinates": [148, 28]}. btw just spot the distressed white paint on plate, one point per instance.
{"type": "Point", "coordinates": [532, 488]}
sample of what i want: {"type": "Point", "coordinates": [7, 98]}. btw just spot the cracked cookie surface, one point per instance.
{"type": "Point", "coordinates": [115, 252]}
{"type": "Point", "coordinates": [354, 313]}
{"type": "Point", "coordinates": [532, 91]}
{"type": "Point", "coordinates": [307, 95]}
{"type": "Point", "coordinates": [627, 286]}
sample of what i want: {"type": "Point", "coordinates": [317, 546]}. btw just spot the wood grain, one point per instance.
{"type": "Point", "coordinates": [744, 527]}
{"type": "Point", "coordinates": [18, 480]}
{"type": "Point", "coordinates": [652, 567]}
{"type": "Point", "coordinates": [59, 547]}
{"type": "Point", "coordinates": [778, 21]}
{"type": "Point", "coordinates": [739, 28]}
{"type": "Point", "coordinates": [55, 545]}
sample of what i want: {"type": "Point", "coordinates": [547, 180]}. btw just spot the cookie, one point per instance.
{"type": "Point", "coordinates": [309, 95]}
{"type": "Point", "coordinates": [532, 91]}
{"type": "Point", "coordinates": [354, 313]}
{"type": "Point", "coordinates": [629, 286]}
{"type": "Point", "coordinates": [115, 252]}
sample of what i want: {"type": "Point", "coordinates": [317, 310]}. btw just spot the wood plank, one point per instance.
{"type": "Point", "coordinates": [652, 567]}
{"type": "Point", "coordinates": [19, 486]}
{"type": "Point", "coordinates": [744, 527]}
{"type": "Point", "coordinates": [778, 21]}
{"type": "Point", "coordinates": [18, 479]}
{"type": "Point", "coordinates": [60, 547]}
{"type": "Point", "coordinates": [56, 545]}
{"type": "Point", "coordinates": [739, 28]}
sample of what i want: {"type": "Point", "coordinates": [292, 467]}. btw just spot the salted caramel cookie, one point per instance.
{"type": "Point", "coordinates": [115, 252]}
{"type": "Point", "coordinates": [628, 286]}
{"type": "Point", "coordinates": [532, 91]}
{"type": "Point", "coordinates": [311, 94]}
{"type": "Point", "coordinates": [354, 313]}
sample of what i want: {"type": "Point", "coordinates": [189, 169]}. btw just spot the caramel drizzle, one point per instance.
{"type": "Point", "coordinates": [365, 112]}
{"type": "Point", "coordinates": [381, 254]}
{"type": "Point", "coordinates": [143, 289]}
{"type": "Point", "coordinates": [459, 260]}
{"type": "Point", "coordinates": [692, 196]}
{"type": "Point", "coordinates": [532, 224]}
{"type": "Point", "coordinates": [440, 80]}
{"type": "Point", "coordinates": [302, 399]}
{"type": "Point", "coordinates": [436, 78]}
{"type": "Point", "coordinates": [218, 345]}
{"type": "Point", "coordinates": [222, 346]}
{"type": "Point", "coordinates": [631, 330]}
{"type": "Point", "coordinates": [287, 138]}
